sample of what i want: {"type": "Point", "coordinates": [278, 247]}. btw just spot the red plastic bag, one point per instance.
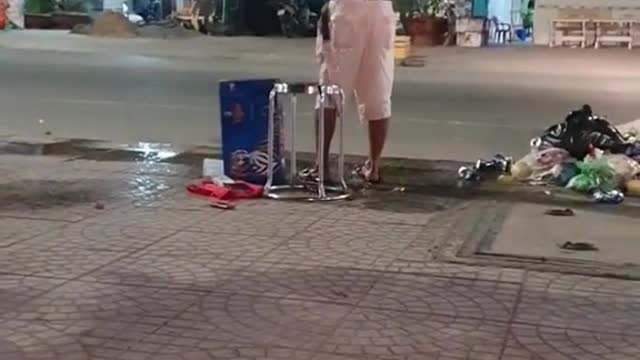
{"type": "Point", "coordinates": [236, 191]}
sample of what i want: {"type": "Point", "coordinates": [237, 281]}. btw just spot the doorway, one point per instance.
{"type": "Point", "coordinates": [513, 19]}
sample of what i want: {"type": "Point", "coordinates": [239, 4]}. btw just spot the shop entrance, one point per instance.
{"type": "Point", "coordinates": [510, 21]}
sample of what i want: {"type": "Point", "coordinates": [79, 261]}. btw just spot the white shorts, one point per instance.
{"type": "Point", "coordinates": [359, 55]}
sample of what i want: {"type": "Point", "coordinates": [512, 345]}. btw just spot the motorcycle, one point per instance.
{"type": "Point", "coordinates": [296, 18]}
{"type": "Point", "coordinates": [133, 18]}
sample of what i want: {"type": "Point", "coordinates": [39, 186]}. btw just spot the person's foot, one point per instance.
{"type": "Point", "coordinates": [312, 175]}
{"type": "Point", "coordinates": [369, 173]}
{"type": "Point", "coordinates": [308, 175]}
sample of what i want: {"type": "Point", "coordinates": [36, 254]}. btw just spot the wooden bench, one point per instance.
{"type": "Point", "coordinates": [606, 31]}
{"type": "Point", "coordinates": [568, 30]}
{"type": "Point", "coordinates": [614, 31]}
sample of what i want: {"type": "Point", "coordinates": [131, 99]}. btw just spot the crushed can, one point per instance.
{"type": "Point", "coordinates": [609, 197]}
{"type": "Point", "coordinates": [499, 163]}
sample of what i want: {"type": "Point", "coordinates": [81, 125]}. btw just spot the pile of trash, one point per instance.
{"type": "Point", "coordinates": [584, 153]}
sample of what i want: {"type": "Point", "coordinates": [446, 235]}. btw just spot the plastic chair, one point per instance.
{"type": "Point", "coordinates": [501, 31]}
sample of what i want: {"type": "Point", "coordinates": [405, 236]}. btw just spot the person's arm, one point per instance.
{"type": "Point", "coordinates": [325, 18]}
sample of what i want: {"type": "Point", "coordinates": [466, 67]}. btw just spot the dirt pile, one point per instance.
{"type": "Point", "coordinates": [166, 30]}
{"type": "Point", "coordinates": [112, 24]}
{"type": "Point", "coordinates": [108, 24]}
{"type": "Point", "coordinates": [82, 29]}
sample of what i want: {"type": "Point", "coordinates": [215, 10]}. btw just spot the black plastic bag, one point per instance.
{"type": "Point", "coordinates": [581, 131]}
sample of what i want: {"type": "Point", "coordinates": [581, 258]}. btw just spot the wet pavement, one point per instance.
{"type": "Point", "coordinates": [112, 260]}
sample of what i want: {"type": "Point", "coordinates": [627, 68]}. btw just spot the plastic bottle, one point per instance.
{"type": "Point", "coordinates": [506, 179]}
{"type": "Point", "coordinates": [521, 170]}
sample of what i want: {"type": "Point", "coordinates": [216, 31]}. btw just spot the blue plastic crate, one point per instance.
{"type": "Point", "coordinates": [244, 107]}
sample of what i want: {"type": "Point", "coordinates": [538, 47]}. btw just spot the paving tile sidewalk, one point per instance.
{"type": "Point", "coordinates": [157, 275]}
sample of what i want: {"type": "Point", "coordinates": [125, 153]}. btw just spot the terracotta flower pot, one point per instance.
{"type": "Point", "coordinates": [38, 21]}
{"type": "Point", "coordinates": [428, 31]}
{"type": "Point", "coordinates": [416, 30]}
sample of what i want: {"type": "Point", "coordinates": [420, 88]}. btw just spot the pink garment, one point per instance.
{"type": "Point", "coordinates": [359, 55]}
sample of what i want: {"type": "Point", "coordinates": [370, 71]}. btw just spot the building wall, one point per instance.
{"type": "Point", "coordinates": [115, 5]}
{"type": "Point", "coordinates": [500, 9]}
{"type": "Point", "coordinates": [547, 10]}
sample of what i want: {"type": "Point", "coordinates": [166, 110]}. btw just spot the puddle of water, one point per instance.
{"type": "Point", "coordinates": [41, 194]}
{"type": "Point", "coordinates": [399, 202]}
{"type": "Point", "coordinates": [47, 193]}
{"type": "Point", "coordinates": [20, 148]}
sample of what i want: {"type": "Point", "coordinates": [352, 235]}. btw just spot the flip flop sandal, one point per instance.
{"type": "Point", "coordinates": [221, 204]}
{"type": "Point", "coordinates": [311, 176]}
{"type": "Point", "coordinates": [560, 212]}
{"type": "Point", "coordinates": [360, 171]}
{"type": "Point", "coordinates": [578, 246]}
{"type": "Point", "coordinates": [413, 61]}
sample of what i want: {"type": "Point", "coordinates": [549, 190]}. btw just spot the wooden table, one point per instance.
{"type": "Point", "coordinates": [623, 32]}
{"type": "Point", "coordinates": [581, 37]}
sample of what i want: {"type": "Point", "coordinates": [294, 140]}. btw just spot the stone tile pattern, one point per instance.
{"type": "Point", "coordinates": [154, 274]}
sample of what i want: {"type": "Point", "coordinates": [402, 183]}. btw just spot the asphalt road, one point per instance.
{"type": "Point", "coordinates": [126, 98]}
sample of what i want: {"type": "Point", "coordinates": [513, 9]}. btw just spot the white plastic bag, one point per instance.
{"type": "Point", "coordinates": [16, 13]}
{"type": "Point", "coordinates": [625, 167]}
{"type": "Point", "coordinates": [631, 128]}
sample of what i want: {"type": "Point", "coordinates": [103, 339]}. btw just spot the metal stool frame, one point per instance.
{"type": "Point", "coordinates": [324, 192]}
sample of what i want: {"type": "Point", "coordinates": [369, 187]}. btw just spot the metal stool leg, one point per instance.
{"type": "Point", "coordinates": [271, 141]}
{"type": "Point", "coordinates": [327, 94]}
{"type": "Point", "coordinates": [340, 118]}
{"type": "Point", "coordinates": [293, 167]}
{"type": "Point", "coordinates": [324, 192]}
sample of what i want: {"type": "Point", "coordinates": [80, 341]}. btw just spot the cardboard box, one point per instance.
{"type": "Point", "coordinates": [472, 39]}
{"type": "Point", "coordinates": [469, 25]}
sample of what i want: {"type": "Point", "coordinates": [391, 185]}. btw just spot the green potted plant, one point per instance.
{"type": "Point", "coordinates": [424, 22]}
{"type": "Point", "coordinates": [70, 13]}
{"type": "Point", "coordinates": [37, 14]}
{"type": "Point", "coordinates": [403, 7]}
{"type": "Point", "coordinates": [527, 14]}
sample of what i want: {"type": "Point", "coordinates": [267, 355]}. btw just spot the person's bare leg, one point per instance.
{"type": "Point", "coordinates": [330, 119]}
{"type": "Point", "coordinates": [378, 130]}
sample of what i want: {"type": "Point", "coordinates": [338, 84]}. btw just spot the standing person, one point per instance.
{"type": "Point", "coordinates": [355, 50]}
{"type": "Point", "coordinates": [450, 15]}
